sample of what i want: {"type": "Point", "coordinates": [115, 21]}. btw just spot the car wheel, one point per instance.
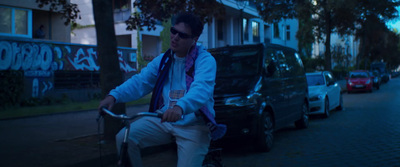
{"type": "Point", "coordinates": [348, 92]}
{"type": "Point", "coordinates": [265, 134]}
{"type": "Point", "coordinates": [303, 122]}
{"type": "Point", "coordinates": [326, 113]}
{"type": "Point", "coordinates": [340, 107]}
{"type": "Point", "coordinates": [377, 87]}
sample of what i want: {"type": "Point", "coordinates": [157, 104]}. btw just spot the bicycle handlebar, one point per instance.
{"type": "Point", "coordinates": [104, 110]}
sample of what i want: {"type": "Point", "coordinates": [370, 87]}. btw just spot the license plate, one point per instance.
{"type": "Point", "coordinates": [359, 86]}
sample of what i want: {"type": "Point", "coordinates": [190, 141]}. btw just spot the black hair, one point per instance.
{"type": "Point", "coordinates": [191, 20]}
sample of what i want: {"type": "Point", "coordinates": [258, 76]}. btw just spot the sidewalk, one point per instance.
{"type": "Point", "coordinates": [62, 140]}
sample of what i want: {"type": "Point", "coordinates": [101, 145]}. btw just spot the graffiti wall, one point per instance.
{"type": "Point", "coordinates": [40, 59]}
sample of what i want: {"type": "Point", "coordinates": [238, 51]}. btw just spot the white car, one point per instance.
{"type": "Point", "coordinates": [324, 93]}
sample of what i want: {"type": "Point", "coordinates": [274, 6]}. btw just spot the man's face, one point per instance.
{"type": "Point", "coordinates": [181, 39]}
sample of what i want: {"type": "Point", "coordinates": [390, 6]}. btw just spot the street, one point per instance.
{"type": "Point", "coordinates": [365, 133]}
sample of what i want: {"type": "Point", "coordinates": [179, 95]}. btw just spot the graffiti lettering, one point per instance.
{"type": "Point", "coordinates": [47, 87]}
{"type": "Point", "coordinates": [28, 56]}
{"type": "Point", "coordinates": [124, 66]}
{"type": "Point", "coordinates": [39, 60]}
{"type": "Point", "coordinates": [5, 57]}
{"type": "Point", "coordinates": [82, 62]}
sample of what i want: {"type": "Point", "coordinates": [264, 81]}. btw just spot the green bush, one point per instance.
{"type": "Point", "coordinates": [11, 86]}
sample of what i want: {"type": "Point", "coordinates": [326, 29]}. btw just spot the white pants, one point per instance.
{"type": "Point", "coordinates": [192, 141]}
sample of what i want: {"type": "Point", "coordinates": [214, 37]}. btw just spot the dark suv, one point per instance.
{"type": "Point", "coordinates": [259, 89]}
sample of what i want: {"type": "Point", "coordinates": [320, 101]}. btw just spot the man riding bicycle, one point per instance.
{"type": "Point", "coordinates": [182, 83]}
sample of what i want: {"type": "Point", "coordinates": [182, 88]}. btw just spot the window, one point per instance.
{"type": "Point", "coordinates": [271, 57]}
{"type": "Point", "coordinates": [266, 34]}
{"type": "Point", "coordinates": [15, 22]}
{"type": "Point", "coordinates": [294, 62]}
{"type": "Point", "coordinates": [122, 10]}
{"type": "Point", "coordinates": [283, 63]}
{"type": "Point", "coordinates": [276, 31]}
{"type": "Point", "coordinates": [220, 27]}
{"type": "Point", "coordinates": [256, 31]}
{"type": "Point", "coordinates": [245, 31]}
{"type": "Point", "coordinates": [288, 32]}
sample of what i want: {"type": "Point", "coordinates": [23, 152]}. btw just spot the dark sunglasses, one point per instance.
{"type": "Point", "coordinates": [181, 34]}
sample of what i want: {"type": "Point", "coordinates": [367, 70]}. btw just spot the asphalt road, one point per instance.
{"type": "Point", "coordinates": [365, 133]}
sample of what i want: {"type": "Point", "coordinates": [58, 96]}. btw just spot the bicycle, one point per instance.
{"type": "Point", "coordinates": [212, 159]}
{"type": "Point", "coordinates": [123, 159]}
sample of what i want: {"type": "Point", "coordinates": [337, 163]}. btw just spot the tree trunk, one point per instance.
{"type": "Point", "coordinates": [110, 73]}
{"type": "Point", "coordinates": [328, 58]}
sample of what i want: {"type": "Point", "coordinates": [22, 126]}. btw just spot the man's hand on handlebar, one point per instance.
{"type": "Point", "coordinates": [173, 114]}
{"type": "Point", "coordinates": [107, 102]}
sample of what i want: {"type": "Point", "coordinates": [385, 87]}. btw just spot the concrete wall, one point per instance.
{"type": "Point", "coordinates": [40, 60]}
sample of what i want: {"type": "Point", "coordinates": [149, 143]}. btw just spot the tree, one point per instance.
{"type": "Point", "coordinates": [322, 15]}
{"type": "Point", "coordinates": [110, 73]}
{"type": "Point", "coordinates": [372, 16]}
{"type": "Point", "coordinates": [328, 16]}
{"type": "Point", "coordinates": [305, 33]}
{"type": "Point", "coordinates": [69, 11]}
{"type": "Point", "coordinates": [151, 11]}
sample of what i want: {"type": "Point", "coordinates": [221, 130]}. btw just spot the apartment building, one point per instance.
{"type": "Point", "coordinates": [37, 56]}
{"type": "Point", "coordinates": [347, 46]}
{"type": "Point", "coordinates": [237, 27]}
{"type": "Point", "coordinates": [22, 18]}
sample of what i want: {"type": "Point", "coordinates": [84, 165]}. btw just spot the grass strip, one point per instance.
{"type": "Point", "coordinates": [19, 112]}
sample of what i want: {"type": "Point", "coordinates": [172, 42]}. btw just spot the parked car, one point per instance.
{"type": "Point", "coordinates": [324, 93]}
{"type": "Point", "coordinates": [359, 80]}
{"type": "Point", "coordinates": [395, 74]}
{"type": "Point", "coordinates": [381, 68]}
{"type": "Point", "coordinates": [376, 78]}
{"type": "Point", "coordinates": [259, 89]}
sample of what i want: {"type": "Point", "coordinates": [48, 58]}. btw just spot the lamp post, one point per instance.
{"type": "Point", "coordinates": [241, 4]}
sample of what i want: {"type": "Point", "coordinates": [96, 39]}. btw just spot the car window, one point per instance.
{"type": "Point", "coordinates": [282, 63]}
{"type": "Point", "coordinates": [359, 75]}
{"type": "Point", "coordinates": [272, 57]}
{"type": "Point", "coordinates": [315, 80]}
{"type": "Point", "coordinates": [238, 63]}
{"type": "Point", "coordinates": [329, 77]}
{"type": "Point", "coordinates": [294, 62]}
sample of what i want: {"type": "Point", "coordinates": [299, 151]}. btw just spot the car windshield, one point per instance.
{"type": "Point", "coordinates": [237, 63]}
{"type": "Point", "coordinates": [315, 80]}
{"type": "Point", "coordinates": [358, 75]}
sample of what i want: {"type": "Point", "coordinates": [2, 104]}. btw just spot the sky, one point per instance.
{"type": "Point", "coordinates": [395, 23]}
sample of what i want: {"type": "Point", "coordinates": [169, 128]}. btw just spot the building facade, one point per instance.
{"type": "Point", "coordinates": [55, 61]}
{"type": "Point", "coordinates": [344, 50]}
{"type": "Point", "coordinates": [45, 64]}
{"type": "Point", "coordinates": [235, 28]}
{"type": "Point", "coordinates": [23, 18]}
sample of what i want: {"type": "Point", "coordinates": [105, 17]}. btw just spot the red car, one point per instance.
{"type": "Point", "coordinates": [359, 80]}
